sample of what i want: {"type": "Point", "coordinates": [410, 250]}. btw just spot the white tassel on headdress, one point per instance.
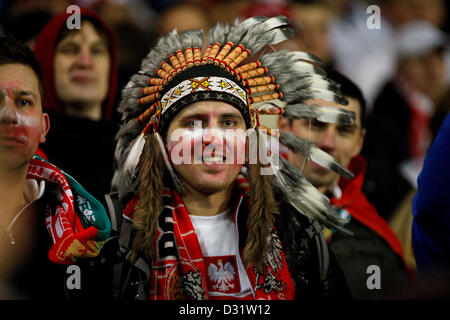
{"type": "Point", "coordinates": [178, 185]}
{"type": "Point", "coordinates": [129, 168]}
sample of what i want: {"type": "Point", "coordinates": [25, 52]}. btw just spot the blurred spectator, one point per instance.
{"type": "Point", "coordinates": [26, 26]}
{"type": "Point", "coordinates": [368, 56]}
{"type": "Point", "coordinates": [80, 77]}
{"type": "Point", "coordinates": [133, 39]}
{"type": "Point", "coordinates": [432, 11]}
{"type": "Point", "coordinates": [228, 11]}
{"type": "Point", "coordinates": [313, 19]}
{"type": "Point", "coordinates": [373, 242]}
{"type": "Point", "coordinates": [24, 19]}
{"type": "Point", "coordinates": [273, 10]}
{"type": "Point", "coordinates": [19, 7]}
{"type": "Point", "coordinates": [365, 56]}
{"type": "Point", "coordinates": [184, 16]}
{"type": "Point", "coordinates": [116, 12]}
{"type": "Point", "coordinates": [399, 127]}
{"type": "Point", "coordinates": [267, 10]}
{"type": "Point", "coordinates": [397, 12]}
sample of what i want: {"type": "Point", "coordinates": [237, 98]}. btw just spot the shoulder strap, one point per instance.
{"type": "Point", "coordinates": [111, 209]}
{"type": "Point", "coordinates": [315, 233]}
{"type": "Point", "coordinates": [124, 227]}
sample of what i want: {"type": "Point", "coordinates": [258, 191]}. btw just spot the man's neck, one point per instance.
{"type": "Point", "coordinates": [92, 112]}
{"type": "Point", "coordinates": [206, 204]}
{"type": "Point", "coordinates": [328, 190]}
{"type": "Point", "coordinates": [12, 198]}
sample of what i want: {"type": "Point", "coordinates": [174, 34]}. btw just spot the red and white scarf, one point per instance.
{"type": "Point", "coordinates": [179, 269]}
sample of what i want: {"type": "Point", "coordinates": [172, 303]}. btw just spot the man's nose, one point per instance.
{"type": "Point", "coordinates": [327, 140]}
{"type": "Point", "coordinates": [213, 134]}
{"type": "Point", "coordinates": [8, 112]}
{"type": "Point", "coordinates": [85, 58]}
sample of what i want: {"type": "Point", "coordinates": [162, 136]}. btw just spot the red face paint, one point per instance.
{"type": "Point", "coordinates": [20, 113]}
{"type": "Point", "coordinates": [202, 146]}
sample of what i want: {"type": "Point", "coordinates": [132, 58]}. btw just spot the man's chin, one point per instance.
{"type": "Point", "coordinates": [14, 162]}
{"type": "Point", "coordinates": [83, 99]}
{"type": "Point", "coordinates": [211, 188]}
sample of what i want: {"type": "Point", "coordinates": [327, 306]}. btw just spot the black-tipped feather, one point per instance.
{"type": "Point", "coordinates": [327, 114]}
{"type": "Point", "coordinates": [309, 150]}
{"type": "Point", "coordinates": [302, 195]}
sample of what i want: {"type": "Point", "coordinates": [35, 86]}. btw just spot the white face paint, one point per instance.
{"type": "Point", "coordinates": [22, 124]}
{"type": "Point", "coordinates": [19, 123]}
{"type": "Point", "coordinates": [207, 145]}
{"type": "Point", "coordinates": [202, 139]}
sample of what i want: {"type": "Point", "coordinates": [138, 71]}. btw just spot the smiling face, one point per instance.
{"type": "Point", "coordinates": [341, 141]}
{"type": "Point", "coordinates": [22, 124]}
{"type": "Point", "coordinates": [205, 142]}
{"type": "Point", "coordinates": [81, 67]}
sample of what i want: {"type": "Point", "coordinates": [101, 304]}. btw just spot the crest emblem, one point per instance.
{"type": "Point", "coordinates": [222, 274]}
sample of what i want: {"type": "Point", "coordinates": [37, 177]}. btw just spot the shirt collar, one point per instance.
{"type": "Point", "coordinates": [336, 191]}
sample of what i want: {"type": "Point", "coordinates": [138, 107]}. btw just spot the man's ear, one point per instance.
{"type": "Point", "coordinates": [45, 127]}
{"type": "Point", "coordinates": [283, 124]}
{"type": "Point", "coordinates": [360, 141]}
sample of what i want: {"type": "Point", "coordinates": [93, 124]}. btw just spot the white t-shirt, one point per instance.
{"type": "Point", "coordinates": [219, 242]}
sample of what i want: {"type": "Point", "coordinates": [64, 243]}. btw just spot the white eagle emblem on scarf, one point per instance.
{"type": "Point", "coordinates": [222, 275]}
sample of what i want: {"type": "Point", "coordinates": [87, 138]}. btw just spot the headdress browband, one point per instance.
{"type": "Point", "coordinates": [191, 77]}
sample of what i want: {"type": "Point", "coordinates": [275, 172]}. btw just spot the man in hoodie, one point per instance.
{"type": "Point", "coordinates": [373, 243]}
{"type": "Point", "coordinates": [80, 76]}
{"type": "Point", "coordinates": [48, 220]}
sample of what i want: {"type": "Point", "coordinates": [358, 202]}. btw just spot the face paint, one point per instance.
{"type": "Point", "coordinates": [210, 146]}
{"type": "Point", "coordinates": [16, 127]}
{"type": "Point", "coordinates": [201, 140]}
{"type": "Point", "coordinates": [22, 123]}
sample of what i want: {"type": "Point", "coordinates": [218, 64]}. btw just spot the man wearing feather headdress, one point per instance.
{"type": "Point", "coordinates": [194, 221]}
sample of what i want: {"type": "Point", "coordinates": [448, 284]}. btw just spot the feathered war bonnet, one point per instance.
{"type": "Point", "coordinates": [229, 64]}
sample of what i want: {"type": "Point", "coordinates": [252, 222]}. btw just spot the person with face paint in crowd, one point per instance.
{"type": "Point", "coordinates": [48, 221]}
{"type": "Point", "coordinates": [203, 211]}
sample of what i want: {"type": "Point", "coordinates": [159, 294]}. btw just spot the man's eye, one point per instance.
{"type": "Point", "coordinates": [229, 123]}
{"type": "Point", "coordinates": [69, 49]}
{"type": "Point", "coordinates": [346, 129]}
{"type": "Point", "coordinates": [195, 123]}
{"type": "Point", "coordinates": [317, 124]}
{"type": "Point", "coordinates": [98, 50]}
{"type": "Point", "coordinates": [25, 102]}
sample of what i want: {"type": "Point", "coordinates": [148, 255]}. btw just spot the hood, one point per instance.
{"type": "Point", "coordinates": [44, 49]}
{"type": "Point", "coordinates": [357, 166]}
{"type": "Point", "coordinates": [356, 203]}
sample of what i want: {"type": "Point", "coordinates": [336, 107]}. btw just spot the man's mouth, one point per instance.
{"type": "Point", "coordinates": [82, 78]}
{"type": "Point", "coordinates": [13, 135]}
{"type": "Point", "coordinates": [215, 159]}
{"type": "Point", "coordinates": [12, 139]}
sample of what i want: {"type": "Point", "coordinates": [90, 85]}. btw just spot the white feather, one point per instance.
{"type": "Point", "coordinates": [132, 161]}
{"type": "Point", "coordinates": [176, 181]}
